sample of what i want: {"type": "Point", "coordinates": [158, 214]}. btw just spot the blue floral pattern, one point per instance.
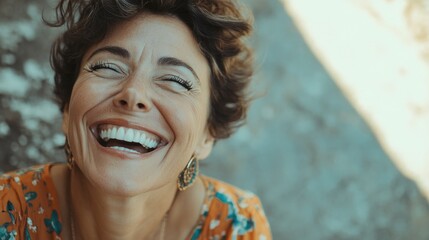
{"type": "Point", "coordinates": [230, 213]}
{"type": "Point", "coordinates": [29, 209]}
{"type": "Point", "coordinates": [28, 196]}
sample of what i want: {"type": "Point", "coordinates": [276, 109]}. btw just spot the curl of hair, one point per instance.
{"type": "Point", "coordinates": [218, 26]}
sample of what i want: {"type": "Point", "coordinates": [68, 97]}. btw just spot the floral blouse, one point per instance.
{"type": "Point", "coordinates": [29, 209]}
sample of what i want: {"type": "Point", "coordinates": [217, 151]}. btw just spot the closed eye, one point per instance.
{"type": "Point", "coordinates": [183, 83]}
{"type": "Point", "coordinates": [105, 69]}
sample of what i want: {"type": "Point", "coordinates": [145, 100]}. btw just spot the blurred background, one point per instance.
{"type": "Point", "coordinates": [336, 142]}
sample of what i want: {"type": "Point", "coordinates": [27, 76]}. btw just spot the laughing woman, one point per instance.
{"type": "Point", "coordinates": [146, 87]}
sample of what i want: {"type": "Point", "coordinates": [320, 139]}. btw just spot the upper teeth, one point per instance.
{"type": "Point", "coordinates": [128, 135]}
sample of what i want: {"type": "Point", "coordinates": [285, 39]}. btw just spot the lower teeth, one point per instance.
{"type": "Point", "coordinates": [124, 149]}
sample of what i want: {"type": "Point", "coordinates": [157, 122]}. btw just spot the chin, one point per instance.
{"type": "Point", "coordinates": [121, 182]}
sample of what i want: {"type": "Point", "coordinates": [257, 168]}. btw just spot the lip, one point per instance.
{"type": "Point", "coordinates": [124, 123]}
{"type": "Point", "coordinates": [125, 155]}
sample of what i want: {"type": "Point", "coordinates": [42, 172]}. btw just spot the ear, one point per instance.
{"type": "Point", "coordinates": [205, 146]}
{"type": "Point", "coordinates": [65, 123]}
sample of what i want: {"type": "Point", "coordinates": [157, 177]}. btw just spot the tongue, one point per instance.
{"type": "Point", "coordinates": [133, 146]}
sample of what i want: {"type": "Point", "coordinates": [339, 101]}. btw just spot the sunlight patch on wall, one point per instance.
{"type": "Point", "coordinates": [377, 52]}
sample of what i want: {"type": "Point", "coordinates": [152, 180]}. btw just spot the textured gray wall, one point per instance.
{"type": "Point", "coordinates": [305, 151]}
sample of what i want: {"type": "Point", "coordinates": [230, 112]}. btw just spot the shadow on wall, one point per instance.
{"type": "Point", "coordinates": [305, 151]}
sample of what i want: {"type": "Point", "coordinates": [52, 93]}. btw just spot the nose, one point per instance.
{"type": "Point", "coordinates": [132, 99]}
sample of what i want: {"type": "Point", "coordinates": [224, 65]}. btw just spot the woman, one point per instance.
{"type": "Point", "coordinates": [146, 88]}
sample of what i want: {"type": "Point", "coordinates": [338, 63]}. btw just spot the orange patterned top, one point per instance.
{"type": "Point", "coordinates": [29, 209]}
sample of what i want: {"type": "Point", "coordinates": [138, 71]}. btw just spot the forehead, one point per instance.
{"type": "Point", "coordinates": [156, 36]}
{"type": "Point", "coordinates": [152, 28]}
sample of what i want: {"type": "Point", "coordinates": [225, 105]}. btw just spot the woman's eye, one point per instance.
{"type": "Point", "coordinates": [179, 81]}
{"type": "Point", "coordinates": [105, 69]}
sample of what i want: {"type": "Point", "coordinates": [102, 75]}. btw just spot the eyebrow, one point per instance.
{"type": "Point", "coordinates": [177, 62]}
{"type": "Point", "coordinates": [121, 52]}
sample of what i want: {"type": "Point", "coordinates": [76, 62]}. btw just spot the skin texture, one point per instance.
{"type": "Point", "coordinates": [114, 193]}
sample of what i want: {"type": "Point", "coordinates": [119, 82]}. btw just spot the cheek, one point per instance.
{"type": "Point", "coordinates": [187, 116]}
{"type": "Point", "coordinates": [77, 130]}
{"type": "Point", "coordinates": [79, 98]}
{"type": "Point", "coordinates": [89, 93]}
{"type": "Point", "coordinates": [86, 95]}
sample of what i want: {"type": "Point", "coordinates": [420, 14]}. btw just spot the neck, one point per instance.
{"type": "Point", "coordinates": [99, 215]}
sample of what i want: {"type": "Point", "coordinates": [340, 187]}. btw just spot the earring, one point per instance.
{"type": "Point", "coordinates": [188, 175]}
{"type": "Point", "coordinates": [69, 155]}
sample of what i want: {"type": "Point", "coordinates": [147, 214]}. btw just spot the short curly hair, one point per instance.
{"type": "Point", "coordinates": [219, 27]}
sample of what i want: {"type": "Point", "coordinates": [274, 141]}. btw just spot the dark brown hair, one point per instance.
{"type": "Point", "coordinates": [218, 26]}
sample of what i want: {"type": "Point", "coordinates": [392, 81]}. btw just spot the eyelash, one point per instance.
{"type": "Point", "coordinates": [186, 84]}
{"type": "Point", "coordinates": [103, 65]}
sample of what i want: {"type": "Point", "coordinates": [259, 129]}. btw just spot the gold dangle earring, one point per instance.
{"type": "Point", "coordinates": [69, 155]}
{"type": "Point", "coordinates": [188, 175]}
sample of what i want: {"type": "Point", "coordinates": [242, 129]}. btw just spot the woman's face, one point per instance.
{"type": "Point", "coordinates": [139, 108]}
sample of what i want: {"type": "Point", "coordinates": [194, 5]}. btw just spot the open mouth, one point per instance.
{"type": "Point", "coordinates": [127, 139]}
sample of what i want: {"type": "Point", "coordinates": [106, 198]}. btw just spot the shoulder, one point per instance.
{"type": "Point", "coordinates": [16, 187]}
{"type": "Point", "coordinates": [26, 201]}
{"type": "Point", "coordinates": [225, 194]}
{"type": "Point", "coordinates": [232, 212]}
